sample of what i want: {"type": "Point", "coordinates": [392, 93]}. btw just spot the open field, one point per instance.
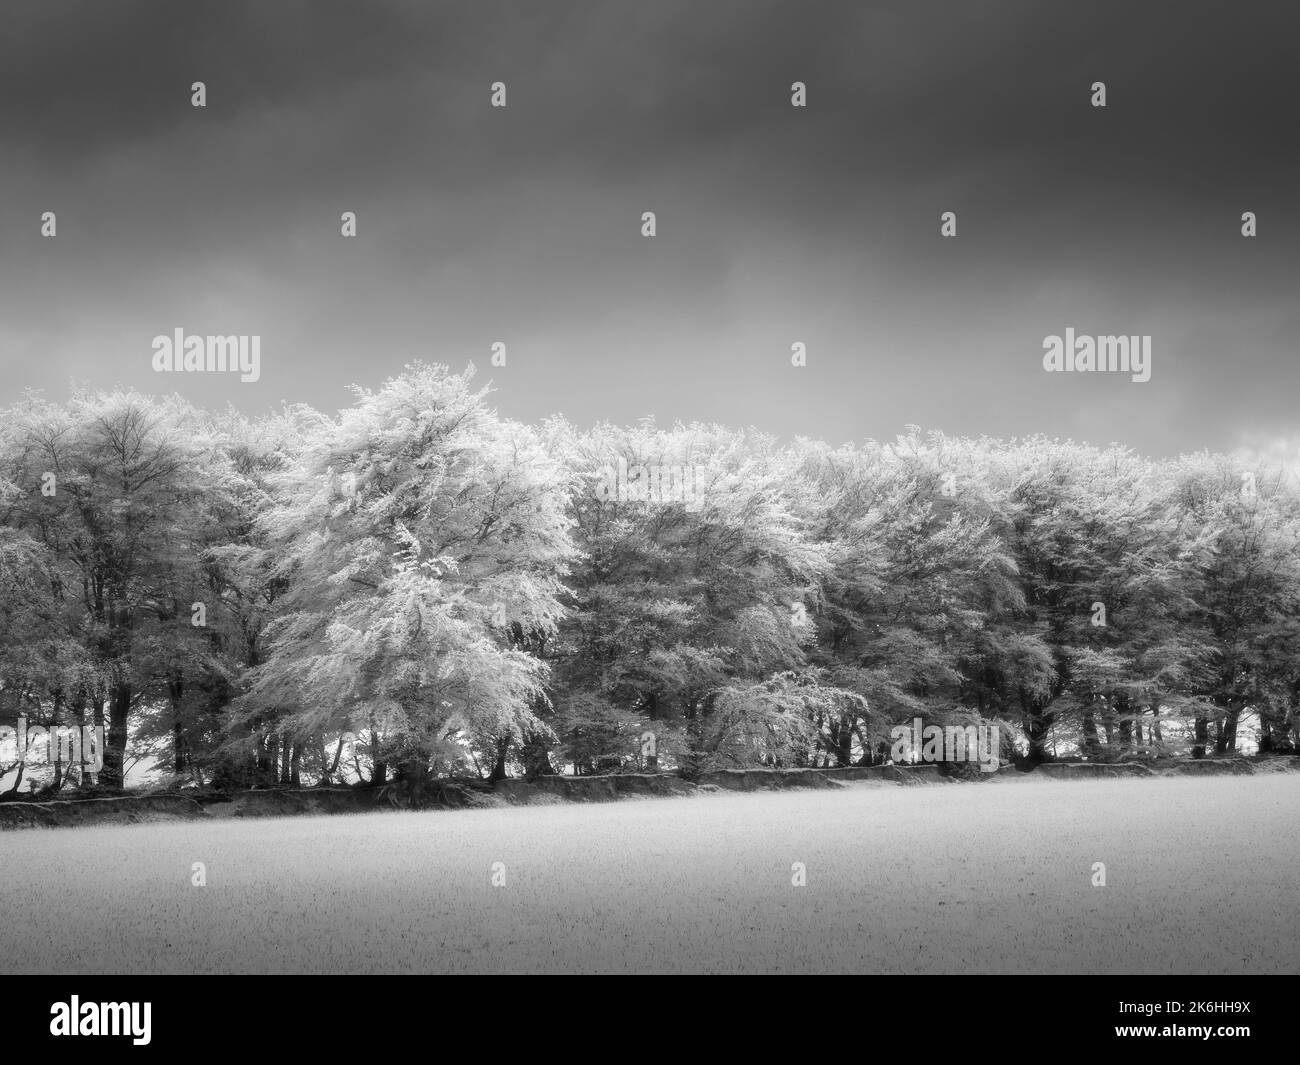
{"type": "Point", "coordinates": [990, 877]}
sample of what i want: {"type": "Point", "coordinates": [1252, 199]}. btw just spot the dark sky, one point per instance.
{"type": "Point", "coordinates": [775, 224]}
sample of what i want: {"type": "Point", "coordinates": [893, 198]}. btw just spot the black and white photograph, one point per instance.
{"type": "Point", "coordinates": [655, 488]}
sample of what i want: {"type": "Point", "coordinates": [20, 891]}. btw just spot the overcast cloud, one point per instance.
{"type": "Point", "coordinates": [775, 224]}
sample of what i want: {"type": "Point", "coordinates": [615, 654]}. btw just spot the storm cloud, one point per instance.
{"type": "Point", "coordinates": [776, 224]}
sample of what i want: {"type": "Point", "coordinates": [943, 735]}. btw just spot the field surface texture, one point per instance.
{"type": "Point", "coordinates": [1201, 877]}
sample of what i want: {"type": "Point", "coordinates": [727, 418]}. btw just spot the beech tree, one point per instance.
{"type": "Point", "coordinates": [918, 581]}
{"type": "Point", "coordinates": [113, 487]}
{"type": "Point", "coordinates": [413, 534]}
{"type": "Point", "coordinates": [1247, 600]}
{"type": "Point", "coordinates": [692, 583]}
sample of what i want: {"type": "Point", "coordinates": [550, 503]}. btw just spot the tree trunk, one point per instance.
{"type": "Point", "coordinates": [98, 722]}
{"type": "Point", "coordinates": [1228, 733]}
{"type": "Point", "coordinates": [268, 756]}
{"type": "Point", "coordinates": [1091, 741]}
{"type": "Point", "coordinates": [844, 746]}
{"type": "Point", "coordinates": [499, 768]}
{"type": "Point", "coordinates": [379, 775]}
{"type": "Point", "coordinates": [176, 690]}
{"type": "Point", "coordinates": [119, 708]}
{"type": "Point", "coordinates": [56, 752]}
{"type": "Point", "coordinates": [1202, 736]}
{"type": "Point", "coordinates": [323, 755]}
{"type": "Point", "coordinates": [1039, 730]}
{"type": "Point", "coordinates": [1124, 718]}
{"type": "Point", "coordinates": [78, 708]}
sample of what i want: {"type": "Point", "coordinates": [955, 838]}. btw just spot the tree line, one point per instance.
{"type": "Point", "coordinates": [419, 587]}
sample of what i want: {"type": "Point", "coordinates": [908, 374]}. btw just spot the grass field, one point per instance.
{"type": "Point", "coordinates": [1202, 877]}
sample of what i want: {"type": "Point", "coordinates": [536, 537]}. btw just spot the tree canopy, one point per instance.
{"type": "Point", "coordinates": [417, 585]}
